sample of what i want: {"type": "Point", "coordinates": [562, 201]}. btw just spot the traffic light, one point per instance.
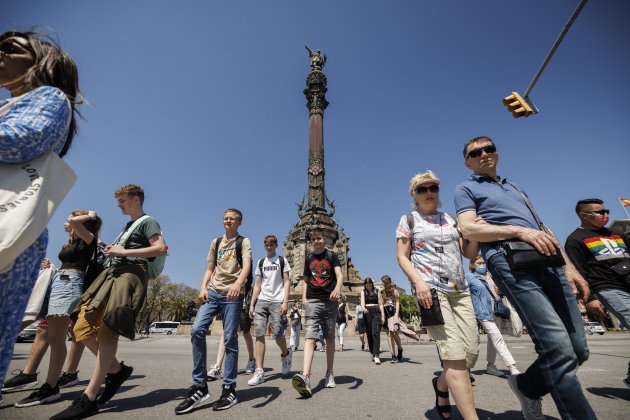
{"type": "Point", "coordinates": [517, 105]}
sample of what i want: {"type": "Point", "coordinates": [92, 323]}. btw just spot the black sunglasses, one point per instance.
{"type": "Point", "coordinates": [477, 152]}
{"type": "Point", "coordinates": [600, 212]}
{"type": "Point", "coordinates": [433, 188]}
{"type": "Point", "coordinates": [9, 47]}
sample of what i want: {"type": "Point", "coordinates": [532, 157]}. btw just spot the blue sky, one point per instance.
{"type": "Point", "coordinates": [201, 103]}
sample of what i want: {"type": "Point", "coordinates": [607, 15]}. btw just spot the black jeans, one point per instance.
{"type": "Point", "coordinates": [373, 329]}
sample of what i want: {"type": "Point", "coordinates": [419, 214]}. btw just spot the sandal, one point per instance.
{"type": "Point", "coordinates": [441, 409]}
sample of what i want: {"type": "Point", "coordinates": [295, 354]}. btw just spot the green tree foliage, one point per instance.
{"type": "Point", "coordinates": [165, 301]}
{"type": "Point", "coordinates": [408, 305]}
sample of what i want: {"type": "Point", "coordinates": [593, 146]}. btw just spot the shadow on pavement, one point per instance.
{"type": "Point", "coordinates": [150, 399]}
{"type": "Point", "coordinates": [267, 393]}
{"type": "Point", "coordinates": [507, 415]}
{"type": "Point", "coordinates": [612, 393]}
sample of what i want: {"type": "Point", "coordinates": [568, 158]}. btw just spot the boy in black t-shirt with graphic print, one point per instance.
{"type": "Point", "coordinates": [320, 292]}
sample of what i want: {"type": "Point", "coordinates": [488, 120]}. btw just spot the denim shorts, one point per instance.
{"type": "Point", "coordinates": [65, 292]}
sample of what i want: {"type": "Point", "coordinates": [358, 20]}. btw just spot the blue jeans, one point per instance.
{"type": "Point", "coordinates": [546, 304]}
{"type": "Point", "coordinates": [231, 315]}
{"type": "Point", "coordinates": [618, 302]}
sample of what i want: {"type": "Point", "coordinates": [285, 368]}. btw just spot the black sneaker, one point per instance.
{"type": "Point", "coordinates": [113, 381]}
{"type": "Point", "coordinates": [227, 400]}
{"type": "Point", "coordinates": [44, 394]}
{"type": "Point", "coordinates": [400, 354]}
{"type": "Point", "coordinates": [20, 381]}
{"type": "Point", "coordinates": [394, 359]}
{"type": "Point", "coordinates": [67, 379]}
{"type": "Point", "coordinates": [196, 395]}
{"type": "Point", "coordinates": [79, 409]}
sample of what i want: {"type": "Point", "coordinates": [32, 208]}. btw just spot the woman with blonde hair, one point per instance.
{"type": "Point", "coordinates": [429, 249]}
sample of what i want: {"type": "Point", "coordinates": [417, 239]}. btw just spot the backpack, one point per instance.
{"type": "Point", "coordinates": [411, 223]}
{"type": "Point", "coordinates": [95, 266]}
{"type": "Point", "coordinates": [280, 257]}
{"type": "Point", "coordinates": [155, 264]}
{"type": "Point", "coordinates": [239, 259]}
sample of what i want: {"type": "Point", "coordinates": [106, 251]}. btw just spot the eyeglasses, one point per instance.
{"type": "Point", "coordinates": [477, 152]}
{"type": "Point", "coordinates": [9, 47]}
{"type": "Point", "coordinates": [600, 212]}
{"type": "Point", "coordinates": [422, 190]}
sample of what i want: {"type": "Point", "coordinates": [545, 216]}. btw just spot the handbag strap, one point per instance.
{"type": "Point", "coordinates": [530, 207]}
{"type": "Point", "coordinates": [490, 291]}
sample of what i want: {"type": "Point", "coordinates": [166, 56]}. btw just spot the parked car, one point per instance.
{"type": "Point", "coordinates": [28, 333]}
{"type": "Point", "coordinates": [163, 327]}
{"type": "Point", "coordinates": [593, 327]}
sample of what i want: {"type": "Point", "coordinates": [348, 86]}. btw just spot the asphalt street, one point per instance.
{"type": "Point", "coordinates": [162, 366]}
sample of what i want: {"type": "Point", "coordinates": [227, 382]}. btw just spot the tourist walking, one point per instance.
{"type": "Point", "coordinates": [360, 325]}
{"type": "Point", "coordinates": [390, 300]}
{"type": "Point", "coordinates": [296, 326]}
{"type": "Point", "coordinates": [38, 118]}
{"type": "Point", "coordinates": [484, 295]}
{"type": "Point", "coordinates": [429, 251]}
{"type": "Point", "coordinates": [374, 316]}
{"type": "Point", "coordinates": [342, 319]}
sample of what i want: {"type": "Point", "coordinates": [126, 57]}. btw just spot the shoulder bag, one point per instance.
{"type": "Point", "coordinates": [522, 255]}
{"type": "Point", "coordinates": [30, 192]}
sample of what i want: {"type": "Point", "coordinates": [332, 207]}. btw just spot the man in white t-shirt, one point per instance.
{"type": "Point", "coordinates": [270, 300]}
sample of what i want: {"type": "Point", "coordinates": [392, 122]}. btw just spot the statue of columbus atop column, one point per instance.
{"type": "Point", "coordinates": [317, 59]}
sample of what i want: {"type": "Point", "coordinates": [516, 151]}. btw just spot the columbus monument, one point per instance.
{"type": "Point", "coordinates": [316, 210]}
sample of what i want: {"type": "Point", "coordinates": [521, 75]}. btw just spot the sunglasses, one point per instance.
{"type": "Point", "coordinates": [9, 47]}
{"type": "Point", "coordinates": [477, 152]}
{"type": "Point", "coordinates": [600, 212]}
{"type": "Point", "coordinates": [422, 190]}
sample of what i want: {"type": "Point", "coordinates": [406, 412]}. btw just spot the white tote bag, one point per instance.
{"type": "Point", "coordinates": [30, 192]}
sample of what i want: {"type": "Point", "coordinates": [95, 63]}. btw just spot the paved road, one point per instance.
{"type": "Point", "coordinates": [364, 390]}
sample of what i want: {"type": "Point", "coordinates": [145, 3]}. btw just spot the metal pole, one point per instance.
{"type": "Point", "coordinates": [555, 46]}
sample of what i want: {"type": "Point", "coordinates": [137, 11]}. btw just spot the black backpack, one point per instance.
{"type": "Point", "coordinates": [239, 259]}
{"type": "Point", "coordinates": [281, 258]}
{"type": "Point", "coordinates": [95, 266]}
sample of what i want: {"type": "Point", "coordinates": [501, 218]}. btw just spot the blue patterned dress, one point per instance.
{"type": "Point", "coordinates": [37, 123]}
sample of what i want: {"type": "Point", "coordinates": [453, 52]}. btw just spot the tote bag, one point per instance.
{"type": "Point", "coordinates": [30, 192]}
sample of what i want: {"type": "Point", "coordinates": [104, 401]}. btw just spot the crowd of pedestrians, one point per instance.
{"type": "Point", "coordinates": [494, 223]}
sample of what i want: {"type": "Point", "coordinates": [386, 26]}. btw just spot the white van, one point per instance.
{"type": "Point", "coordinates": [163, 327]}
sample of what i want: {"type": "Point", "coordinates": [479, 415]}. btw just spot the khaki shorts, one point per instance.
{"type": "Point", "coordinates": [95, 327]}
{"type": "Point", "coordinates": [458, 338]}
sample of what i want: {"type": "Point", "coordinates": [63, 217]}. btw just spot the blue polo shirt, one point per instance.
{"type": "Point", "coordinates": [498, 202]}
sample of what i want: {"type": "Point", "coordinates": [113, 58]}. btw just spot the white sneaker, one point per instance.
{"type": "Point", "coordinates": [322, 348]}
{"type": "Point", "coordinates": [377, 360]}
{"type": "Point", "coordinates": [531, 409]}
{"type": "Point", "coordinates": [258, 378]}
{"type": "Point", "coordinates": [514, 371]}
{"type": "Point", "coordinates": [286, 362]}
{"type": "Point", "coordinates": [330, 380]}
{"type": "Point", "coordinates": [493, 370]}
{"type": "Point", "coordinates": [214, 373]}
{"type": "Point", "coordinates": [250, 366]}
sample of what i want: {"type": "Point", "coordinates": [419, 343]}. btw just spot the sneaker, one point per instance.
{"type": "Point", "coordinates": [322, 348]}
{"type": "Point", "coordinates": [258, 378]}
{"type": "Point", "coordinates": [113, 381]}
{"type": "Point", "coordinates": [20, 381]}
{"type": "Point", "coordinates": [329, 382]}
{"type": "Point", "coordinates": [250, 367]}
{"type": "Point", "coordinates": [493, 370]}
{"type": "Point", "coordinates": [196, 395]}
{"type": "Point", "coordinates": [79, 409]}
{"type": "Point", "coordinates": [531, 409]}
{"type": "Point", "coordinates": [514, 371]}
{"type": "Point", "coordinates": [394, 359]}
{"type": "Point", "coordinates": [227, 400]}
{"type": "Point", "coordinates": [214, 373]}
{"type": "Point", "coordinates": [286, 362]}
{"type": "Point", "coordinates": [400, 350]}
{"type": "Point", "coordinates": [302, 384]}
{"type": "Point", "coordinates": [377, 360]}
{"type": "Point", "coordinates": [44, 394]}
{"type": "Point", "coordinates": [67, 379]}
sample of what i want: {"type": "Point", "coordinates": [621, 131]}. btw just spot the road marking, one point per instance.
{"type": "Point", "coordinates": [587, 369]}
